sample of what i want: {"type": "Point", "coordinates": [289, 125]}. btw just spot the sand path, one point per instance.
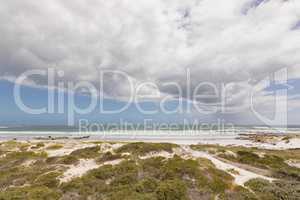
{"type": "Point", "coordinates": [243, 175]}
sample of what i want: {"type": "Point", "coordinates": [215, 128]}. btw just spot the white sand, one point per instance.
{"type": "Point", "coordinates": [293, 163]}
{"type": "Point", "coordinates": [27, 163]}
{"type": "Point", "coordinates": [68, 147]}
{"type": "Point", "coordinates": [78, 170]}
{"type": "Point", "coordinates": [113, 162]}
{"type": "Point", "coordinates": [280, 145]}
{"type": "Point", "coordinates": [106, 147]}
{"type": "Point", "coordinates": [223, 141]}
{"type": "Point", "coordinates": [243, 175]}
{"type": "Point", "coordinates": [83, 167]}
{"type": "Point", "coordinates": [164, 154]}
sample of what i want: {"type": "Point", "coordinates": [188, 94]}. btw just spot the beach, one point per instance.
{"type": "Point", "coordinates": [63, 165]}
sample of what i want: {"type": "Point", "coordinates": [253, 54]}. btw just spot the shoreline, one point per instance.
{"type": "Point", "coordinates": [262, 141]}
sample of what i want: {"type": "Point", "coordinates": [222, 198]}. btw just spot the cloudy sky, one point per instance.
{"type": "Point", "coordinates": [240, 44]}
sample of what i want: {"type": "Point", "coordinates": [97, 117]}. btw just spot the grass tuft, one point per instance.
{"type": "Point", "coordinates": [140, 148]}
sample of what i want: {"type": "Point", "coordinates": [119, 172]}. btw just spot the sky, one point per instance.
{"type": "Point", "coordinates": [243, 55]}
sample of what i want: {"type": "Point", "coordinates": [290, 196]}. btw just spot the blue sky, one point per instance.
{"type": "Point", "coordinates": [36, 98]}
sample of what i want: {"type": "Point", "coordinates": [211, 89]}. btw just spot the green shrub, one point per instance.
{"type": "Point", "coordinates": [128, 166]}
{"type": "Point", "coordinates": [128, 194]}
{"type": "Point", "coordinates": [276, 164]}
{"type": "Point", "coordinates": [123, 176]}
{"type": "Point", "coordinates": [171, 190]}
{"type": "Point", "coordinates": [68, 160]}
{"type": "Point", "coordinates": [278, 190]}
{"type": "Point", "coordinates": [30, 193]}
{"type": "Point", "coordinates": [55, 147]}
{"type": "Point", "coordinates": [65, 160]}
{"type": "Point", "coordinates": [108, 156]}
{"type": "Point", "coordinates": [152, 166]}
{"type": "Point", "coordinates": [103, 173]}
{"type": "Point", "coordinates": [83, 187]}
{"type": "Point", "coordinates": [38, 145]}
{"type": "Point", "coordinates": [238, 193]}
{"type": "Point", "coordinates": [13, 173]}
{"type": "Point", "coordinates": [147, 185]}
{"type": "Point", "coordinates": [23, 155]}
{"type": "Point", "coordinates": [49, 179]}
{"type": "Point", "coordinates": [128, 179]}
{"type": "Point", "coordinates": [13, 145]}
{"type": "Point", "coordinates": [288, 172]}
{"type": "Point", "coordinates": [178, 167]}
{"type": "Point", "coordinates": [141, 148]}
{"type": "Point", "coordinates": [247, 157]}
{"type": "Point", "coordinates": [87, 153]}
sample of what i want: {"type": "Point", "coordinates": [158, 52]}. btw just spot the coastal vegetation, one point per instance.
{"type": "Point", "coordinates": [88, 152]}
{"type": "Point", "coordinates": [31, 174]}
{"type": "Point", "coordinates": [275, 162]}
{"type": "Point", "coordinates": [140, 148]}
{"type": "Point", "coordinates": [55, 146]}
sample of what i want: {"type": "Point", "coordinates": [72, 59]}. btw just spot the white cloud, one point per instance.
{"type": "Point", "coordinates": [153, 40]}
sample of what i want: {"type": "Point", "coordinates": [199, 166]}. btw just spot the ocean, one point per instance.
{"type": "Point", "coordinates": [183, 135]}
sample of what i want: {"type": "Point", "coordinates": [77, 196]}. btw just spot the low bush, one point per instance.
{"type": "Point", "coordinates": [30, 193]}
{"type": "Point", "coordinates": [147, 185]}
{"type": "Point", "coordinates": [178, 167]}
{"type": "Point", "coordinates": [48, 179]}
{"type": "Point", "coordinates": [278, 190]}
{"type": "Point", "coordinates": [38, 145]}
{"type": "Point", "coordinates": [141, 148]}
{"type": "Point", "coordinates": [108, 156]}
{"type": "Point", "coordinates": [276, 164]}
{"type": "Point", "coordinates": [238, 193]}
{"type": "Point", "coordinates": [171, 190]}
{"type": "Point", "coordinates": [87, 153]}
{"type": "Point", "coordinates": [65, 160]}
{"type": "Point", "coordinates": [55, 147]}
